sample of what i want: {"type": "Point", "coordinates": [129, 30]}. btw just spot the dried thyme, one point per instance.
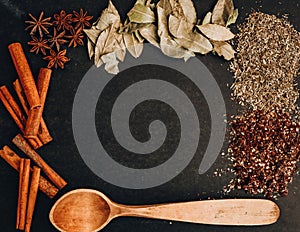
{"type": "Point", "coordinates": [267, 62]}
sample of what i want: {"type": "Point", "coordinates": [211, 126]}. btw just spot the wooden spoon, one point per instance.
{"type": "Point", "coordinates": [86, 210]}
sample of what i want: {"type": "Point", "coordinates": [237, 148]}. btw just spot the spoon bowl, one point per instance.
{"type": "Point", "coordinates": [86, 210]}
{"type": "Point", "coordinates": [83, 210]}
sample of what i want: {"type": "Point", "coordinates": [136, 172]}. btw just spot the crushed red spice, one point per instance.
{"type": "Point", "coordinates": [264, 150]}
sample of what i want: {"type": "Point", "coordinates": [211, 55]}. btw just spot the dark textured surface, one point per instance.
{"type": "Point", "coordinates": [62, 153]}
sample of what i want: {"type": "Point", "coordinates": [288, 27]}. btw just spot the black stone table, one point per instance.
{"type": "Point", "coordinates": [62, 154]}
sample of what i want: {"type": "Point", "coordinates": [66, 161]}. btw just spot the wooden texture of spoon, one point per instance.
{"type": "Point", "coordinates": [86, 210]}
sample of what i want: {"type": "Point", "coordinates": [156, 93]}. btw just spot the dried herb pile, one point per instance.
{"type": "Point", "coordinates": [264, 150]}
{"type": "Point", "coordinates": [171, 25]}
{"type": "Point", "coordinates": [264, 143]}
{"type": "Point", "coordinates": [267, 62]}
{"type": "Point", "coordinates": [48, 37]}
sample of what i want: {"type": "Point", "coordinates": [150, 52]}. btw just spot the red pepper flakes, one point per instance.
{"type": "Point", "coordinates": [264, 149]}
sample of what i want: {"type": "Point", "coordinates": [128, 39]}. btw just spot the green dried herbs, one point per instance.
{"type": "Point", "coordinates": [171, 25]}
{"type": "Point", "coordinates": [267, 62]}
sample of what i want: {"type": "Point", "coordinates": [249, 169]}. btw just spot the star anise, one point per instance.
{"type": "Point", "coordinates": [81, 19]}
{"type": "Point", "coordinates": [76, 37]}
{"type": "Point", "coordinates": [57, 60]}
{"type": "Point", "coordinates": [39, 24]}
{"type": "Point", "coordinates": [38, 45]}
{"type": "Point", "coordinates": [62, 20]}
{"type": "Point", "coordinates": [57, 39]}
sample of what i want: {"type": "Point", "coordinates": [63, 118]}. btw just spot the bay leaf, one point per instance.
{"type": "Point", "coordinates": [141, 14]}
{"type": "Point", "coordinates": [179, 27]}
{"type": "Point", "coordinates": [224, 49]}
{"type": "Point", "coordinates": [92, 34]}
{"type": "Point", "coordinates": [177, 10]}
{"type": "Point", "coordinates": [120, 49]}
{"type": "Point", "coordinates": [149, 32]}
{"type": "Point", "coordinates": [165, 6]}
{"type": "Point", "coordinates": [171, 48]}
{"type": "Point", "coordinates": [185, 37]}
{"type": "Point", "coordinates": [91, 48]}
{"type": "Point", "coordinates": [105, 44]}
{"type": "Point", "coordinates": [134, 47]}
{"type": "Point", "coordinates": [167, 45]}
{"type": "Point", "coordinates": [97, 58]}
{"type": "Point", "coordinates": [189, 10]}
{"type": "Point", "coordinates": [109, 16]}
{"type": "Point", "coordinates": [232, 18]}
{"type": "Point", "coordinates": [130, 27]}
{"type": "Point", "coordinates": [105, 20]}
{"type": "Point", "coordinates": [111, 63]}
{"type": "Point", "coordinates": [139, 37]}
{"type": "Point", "coordinates": [142, 2]}
{"type": "Point", "coordinates": [216, 32]}
{"type": "Point", "coordinates": [106, 41]}
{"type": "Point", "coordinates": [162, 21]}
{"type": "Point", "coordinates": [195, 42]}
{"type": "Point", "coordinates": [99, 63]}
{"type": "Point", "coordinates": [145, 2]}
{"type": "Point", "coordinates": [221, 12]}
{"type": "Point", "coordinates": [207, 18]}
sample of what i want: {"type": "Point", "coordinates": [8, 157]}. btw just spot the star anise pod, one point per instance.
{"type": "Point", "coordinates": [39, 24]}
{"type": "Point", "coordinates": [57, 39]}
{"type": "Point", "coordinates": [62, 20]}
{"type": "Point", "coordinates": [81, 19]}
{"type": "Point", "coordinates": [76, 37]}
{"type": "Point", "coordinates": [38, 45]}
{"type": "Point", "coordinates": [57, 60]}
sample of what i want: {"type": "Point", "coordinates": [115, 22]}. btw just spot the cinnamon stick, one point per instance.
{"type": "Point", "coordinates": [14, 161]}
{"type": "Point", "coordinates": [33, 122]}
{"type": "Point", "coordinates": [10, 110]}
{"type": "Point", "coordinates": [16, 109]}
{"type": "Point", "coordinates": [16, 113]}
{"type": "Point", "coordinates": [35, 114]}
{"type": "Point", "coordinates": [43, 84]}
{"type": "Point", "coordinates": [32, 196]}
{"type": "Point", "coordinates": [22, 144]}
{"type": "Point", "coordinates": [43, 133]}
{"type": "Point", "coordinates": [20, 93]}
{"type": "Point", "coordinates": [30, 89]}
{"type": "Point", "coordinates": [25, 74]}
{"type": "Point", "coordinates": [23, 193]}
{"type": "Point", "coordinates": [21, 170]}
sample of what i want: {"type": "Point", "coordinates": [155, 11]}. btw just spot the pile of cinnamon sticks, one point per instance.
{"type": "Point", "coordinates": [32, 97]}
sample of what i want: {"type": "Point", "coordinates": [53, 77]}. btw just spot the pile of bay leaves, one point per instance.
{"type": "Point", "coordinates": [170, 25]}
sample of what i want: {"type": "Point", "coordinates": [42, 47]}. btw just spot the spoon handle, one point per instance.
{"type": "Point", "coordinates": [218, 212]}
